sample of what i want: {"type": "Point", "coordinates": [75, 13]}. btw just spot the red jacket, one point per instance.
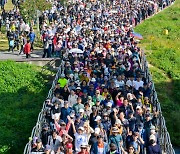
{"type": "Point", "coordinates": [27, 48]}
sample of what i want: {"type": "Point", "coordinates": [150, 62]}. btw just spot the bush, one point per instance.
{"type": "Point", "coordinates": [22, 92]}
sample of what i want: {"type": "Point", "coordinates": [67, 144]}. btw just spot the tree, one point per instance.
{"type": "Point", "coordinates": [28, 8]}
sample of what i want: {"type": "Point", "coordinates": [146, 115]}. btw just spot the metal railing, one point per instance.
{"type": "Point", "coordinates": [36, 131]}
{"type": "Point", "coordinates": [165, 140]}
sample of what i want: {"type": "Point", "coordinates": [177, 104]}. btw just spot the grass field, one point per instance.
{"type": "Point", "coordinates": [23, 89]}
{"type": "Point", "coordinates": [163, 54]}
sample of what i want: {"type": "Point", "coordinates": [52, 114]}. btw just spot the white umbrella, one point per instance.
{"type": "Point", "coordinates": [151, 2]}
{"type": "Point", "coordinates": [113, 11]}
{"type": "Point", "coordinates": [76, 50]}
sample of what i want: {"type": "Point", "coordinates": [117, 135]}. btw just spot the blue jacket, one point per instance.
{"type": "Point", "coordinates": [32, 36]}
{"type": "Point", "coordinates": [94, 149]}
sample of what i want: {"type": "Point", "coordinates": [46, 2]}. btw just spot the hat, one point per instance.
{"type": "Point", "coordinates": [115, 130]}
{"type": "Point", "coordinates": [109, 104]}
{"type": "Point", "coordinates": [62, 75]}
{"type": "Point", "coordinates": [76, 69]}
{"type": "Point", "coordinates": [148, 109]}
{"type": "Point", "coordinates": [97, 130]}
{"type": "Point", "coordinates": [38, 140]}
{"type": "Point", "coordinates": [117, 85]}
{"type": "Point", "coordinates": [97, 118]}
{"type": "Point", "coordinates": [152, 127]}
{"type": "Point", "coordinates": [152, 137]}
{"type": "Point", "coordinates": [66, 102]}
{"type": "Point", "coordinates": [69, 145]}
{"type": "Point", "coordinates": [81, 128]}
{"type": "Point", "coordinates": [89, 97]}
{"type": "Point", "coordinates": [118, 122]}
{"type": "Point", "coordinates": [48, 147]}
{"type": "Point", "coordinates": [97, 100]}
{"type": "Point", "coordinates": [72, 115]}
{"type": "Point", "coordinates": [105, 114]}
{"type": "Point", "coordinates": [81, 110]}
{"type": "Point", "coordinates": [138, 107]}
{"type": "Point", "coordinates": [94, 108]}
{"type": "Point", "coordinates": [78, 88]}
{"type": "Point", "coordinates": [84, 145]}
{"type": "Point", "coordinates": [93, 80]}
{"type": "Point", "coordinates": [105, 78]}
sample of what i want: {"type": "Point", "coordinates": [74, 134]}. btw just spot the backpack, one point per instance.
{"type": "Point", "coordinates": [11, 43]}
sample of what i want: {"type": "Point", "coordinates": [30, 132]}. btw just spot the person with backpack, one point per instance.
{"type": "Point", "coordinates": [10, 36]}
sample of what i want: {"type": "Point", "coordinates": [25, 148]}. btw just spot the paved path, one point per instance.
{"type": "Point", "coordinates": [5, 55]}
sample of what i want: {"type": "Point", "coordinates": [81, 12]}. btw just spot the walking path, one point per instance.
{"type": "Point", "coordinates": [5, 55]}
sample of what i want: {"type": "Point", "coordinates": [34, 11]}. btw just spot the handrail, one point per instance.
{"type": "Point", "coordinates": [38, 127]}
{"type": "Point", "coordinates": [164, 134]}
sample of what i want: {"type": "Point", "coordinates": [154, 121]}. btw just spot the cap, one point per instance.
{"type": "Point", "coordinates": [66, 102]}
{"type": "Point", "coordinates": [81, 128]}
{"type": "Point", "coordinates": [152, 127]}
{"type": "Point", "coordinates": [118, 121]}
{"type": "Point", "coordinates": [117, 85]}
{"type": "Point", "coordinates": [62, 75]}
{"type": "Point", "coordinates": [148, 109]}
{"type": "Point", "coordinates": [152, 137]}
{"type": "Point", "coordinates": [84, 145]}
{"type": "Point", "coordinates": [138, 107]}
{"type": "Point", "coordinates": [81, 110]}
{"type": "Point", "coordinates": [78, 88]}
{"type": "Point", "coordinates": [109, 104]}
{"type": "Point", "coordinates": [97, 100]}
{"type": "Point", "coordinates": [69, 145]}
{"type": "Point", "coordinates": [105, 114]}
{"type": "Point", "coordinates": [89, 97]}
{"type": "Point", "coordinates": [93, 80]}
{"type": "Point", "coordinates": [97, 118]}
{"type": "Point", "coordinates": [115, 130]}
{"type": "Point", "coordinates": [38, 140]}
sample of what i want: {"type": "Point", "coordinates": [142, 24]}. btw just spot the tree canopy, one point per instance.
{"type": "Point", "coordinates": [29, 8]}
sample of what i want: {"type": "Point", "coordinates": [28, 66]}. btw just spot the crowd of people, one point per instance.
{"type": "Point", "coordinates": [102, 101]}
{"type": "Point", "coordinates": [20, 34]}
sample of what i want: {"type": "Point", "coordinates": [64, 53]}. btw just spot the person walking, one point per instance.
{"type": "Point", "coordinates": [27, 49]}
{"type": "Point", "coordinates": [32, 37]}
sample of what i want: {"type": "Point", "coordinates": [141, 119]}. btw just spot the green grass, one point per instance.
{"type": "Point", "coordinates": [163, 53]}
{"type": "Point", "coordinates": [23, 89]}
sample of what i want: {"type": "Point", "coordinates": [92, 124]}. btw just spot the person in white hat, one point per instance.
{"type": "Point", "coordinates": [80, 137]}
{"type": "Point", "coordinates": [154, 147]}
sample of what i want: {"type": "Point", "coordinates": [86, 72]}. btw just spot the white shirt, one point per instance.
{"type": "Point", "coordinates": [130, 83]}
{"type": "Point", "coordinates": [138, 84]}
{"type": "Point", "coordinates": [72, 99]}
{"type": "Point", "coordinates": [79, 140]}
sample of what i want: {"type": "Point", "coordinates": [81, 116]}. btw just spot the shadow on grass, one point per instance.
{"type": "Point", "coordinates": [169, 98]}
